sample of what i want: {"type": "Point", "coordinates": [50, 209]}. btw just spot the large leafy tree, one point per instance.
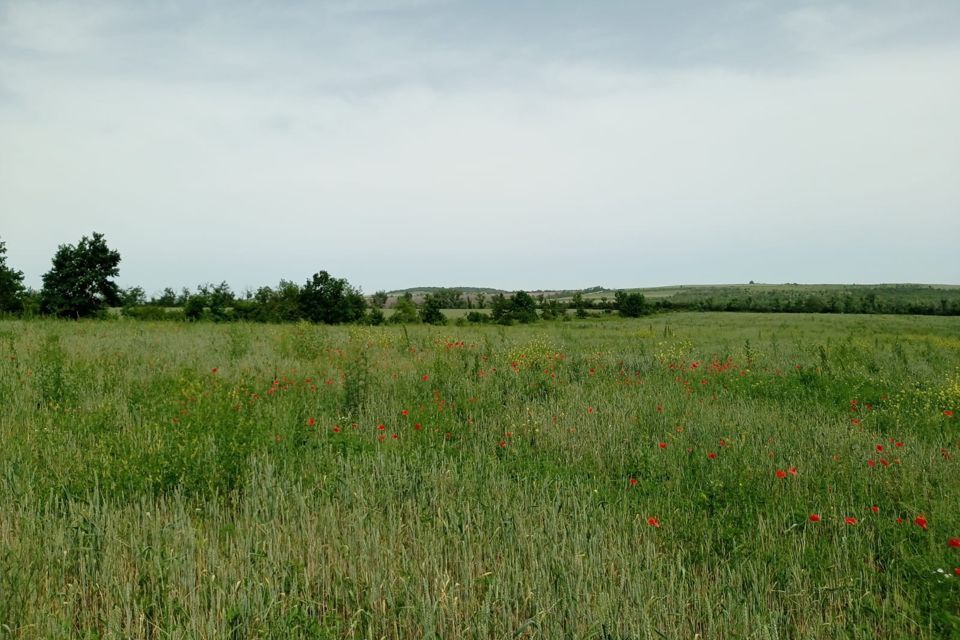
{"type": "Point", "coordinates": [11, 284]}
{"type": "Point", "coordinates": [331, 300]}
{"type": "Point", "coordinates": [79, 285]}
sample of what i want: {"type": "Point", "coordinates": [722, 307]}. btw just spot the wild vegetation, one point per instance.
{"type": "Point", "coordinates": [720, 475]}
{"type": "Point", "coordinates": [80, 285]}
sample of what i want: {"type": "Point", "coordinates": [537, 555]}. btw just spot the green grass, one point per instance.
{"type": "Point", "coordinates": [145, 495]}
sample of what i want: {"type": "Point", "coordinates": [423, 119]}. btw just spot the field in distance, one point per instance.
{"type": "Point", "coordinates": [721, 475]}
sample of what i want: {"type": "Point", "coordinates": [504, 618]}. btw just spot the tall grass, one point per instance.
{"type": "Point", "coordinates": [600, 479]}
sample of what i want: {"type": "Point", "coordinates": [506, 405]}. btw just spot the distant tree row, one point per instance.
{"type": "Point", "coordinates": [840, 302]}
{"type": "Point", "coordinates": [80, 284]}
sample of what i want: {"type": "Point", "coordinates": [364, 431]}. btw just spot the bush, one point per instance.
{"type": "Point", "coordinates": [153, 312]}
{"type": "Point", "coordinates": [376, 317]}
{"type": "Point", "coordinates": [477, 317]}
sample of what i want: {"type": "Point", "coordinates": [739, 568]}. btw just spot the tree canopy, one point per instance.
{"type": "Point", "coordinates": [331, 300]}
{"type": "Point", "coordinates": [630, 305]}
{"type": "Point", "coordinates": [11, 284]}
{"type": "Point", "coordinates": [79, 285]}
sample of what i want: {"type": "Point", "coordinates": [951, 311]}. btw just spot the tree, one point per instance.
{"type": "Point", "coordinates": [331, 300]}
{"type": "Point", "coordinates": [79, 285]}
{"type": "Point", "coordinates": [520, 306]}
{"type": "Point", "coordinates": [580, 305]}
{"type": "Point", "coordinates": [277, 305]}
{"type": "Point", "coordinates": [630, 305]}
{"type": "Point", "coordinates": [430, 312]}
{"type": "Point", "coordinates": [379, 299]}
{"type": "Point", "coordinates": [220, 299]}
{"type": "Point", "coordinates": [551, 309]}
{"type": "Point", "coordinates": [404, 310]}
{"type": "Point", "coordinates": [449, 298]}
{"type": "Point", "coordinates": [11, 285]}
{"type": "Point", "coordinates": [133, 297]}
{"type": "Point", "coordinates": [501, 309]}
{"type": "Point", "coordinates": [168, 298]}
{"type": "Point", "coordinates": [524, 307]}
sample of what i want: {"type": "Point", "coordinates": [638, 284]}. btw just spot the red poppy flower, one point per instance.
{"type": "Point", "coordinates": [633, 482]}
{"type": "Point", "coordinates": [214, 370]}
{"type": "Point", "coordinates": [395, 436]}
{"type": "Point", "coordinates": [880, 447]}
{"type": "Point", "coordinates": [792, 471]}
{"type": "Point", "coordinates": [311, 422]}
{"type": "Point", "coordinates": [850, 521]}
{"type": "Point", "coordinates": [875, 509]}
{"type": "Point", "coordinates": [921, 522]}
{"type": "Point", "coordinates": [712, 455]}
{"type": "Point", "coordinates": [814, 517]}
{"type": "Point", "coordinates": [404, 413]}
{"type": "Point", "coordinates": [899, 520]}
{"type": "Point", "coordinates": [948, 413]}
{"type": "Point", "coordinates": [954, 542]}
{"type": "Point", "coordinates": [425, 377]}
{"type": "Point", "coordinates": [662, 445]}
{"type": "Point", "coordinates": [957, 571]}
{"type": "Point", "coordinates": [502, 444]}
{"type": "Point", "coordinates": [417, 426]}
{"type": "Point", "coordinates": [899, 444]}
{"type": "Point", "coordinates": [589, 409]}
{"type": "Point", "coordinates": [781, 473]}
{"type": "Point", "coordinates": [653, 522]}
{"type": "Point", "coordinates": [855, 421]}
{"type": "Point", "coordinates": [336, 429]}
{"type": "Point", "coordinates": [871, 463]}
{"type": "Point", "coordinates": [380, 427]}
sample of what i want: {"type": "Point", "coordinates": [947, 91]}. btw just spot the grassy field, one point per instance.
{"type": "Point", "coordinates": [680, 476]}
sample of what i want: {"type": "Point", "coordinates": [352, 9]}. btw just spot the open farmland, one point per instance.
{"type": "Point", "coordinates": [728, 475]}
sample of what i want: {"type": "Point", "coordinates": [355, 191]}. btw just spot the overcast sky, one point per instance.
{"type": "Point", "coordinates": [551, 144]}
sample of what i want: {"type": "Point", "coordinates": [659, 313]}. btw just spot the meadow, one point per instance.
{"type": "Point", "coordinates": [685, 475]}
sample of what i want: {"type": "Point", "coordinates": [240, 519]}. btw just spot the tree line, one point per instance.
{"type": "Point", "coordinates": [80, 284]}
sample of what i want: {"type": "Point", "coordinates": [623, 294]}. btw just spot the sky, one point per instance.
{"type": "Point", "coordinates": [502, 143]}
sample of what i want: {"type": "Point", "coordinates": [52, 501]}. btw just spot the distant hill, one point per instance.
{"type": "Point", "coordinates": [424, 290]}
{"type": "Point", "coordinates": [909, 298]}
{"type": "Point", "coordinates": [685, 291]}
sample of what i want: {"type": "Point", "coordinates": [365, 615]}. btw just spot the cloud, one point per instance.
{"type": "Point", "coordinates": [269, 143]}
